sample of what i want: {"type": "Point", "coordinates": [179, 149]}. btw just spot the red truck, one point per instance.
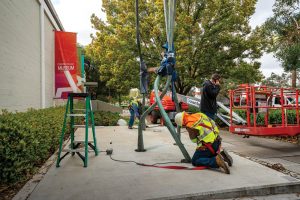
{"type": "Point", "coordinates": [168, 105]}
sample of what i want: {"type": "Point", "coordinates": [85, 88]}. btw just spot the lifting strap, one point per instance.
{"type": "Point", "coordinates": [174, 167]}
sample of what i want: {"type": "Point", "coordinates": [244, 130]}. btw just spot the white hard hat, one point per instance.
{"type": "Point", "coordinates": [178, 118]}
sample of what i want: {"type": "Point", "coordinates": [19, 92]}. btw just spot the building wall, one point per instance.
{"type": "Point", "coordinates": [49, 62]}
{"type": "Point", "coordinates": [22, 31]}
{"type": "Point", "coordinates": [19, 55]}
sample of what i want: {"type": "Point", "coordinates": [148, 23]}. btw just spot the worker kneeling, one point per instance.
{"type": "Point", "coordinates": [203, 131]}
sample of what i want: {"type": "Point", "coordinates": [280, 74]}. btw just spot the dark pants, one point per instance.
{"type": "Point", "coordinates": [205, 157]}
{"type": "Point", "coordinates": [210, 115]}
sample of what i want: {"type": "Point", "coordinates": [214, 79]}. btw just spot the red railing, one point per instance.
{"type": "Point", "coordinates": [260, 100]}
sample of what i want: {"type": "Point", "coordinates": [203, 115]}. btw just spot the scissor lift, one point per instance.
{"type": "Point", "coordinates": [257, 102]}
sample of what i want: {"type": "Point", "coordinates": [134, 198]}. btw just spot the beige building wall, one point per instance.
{"type": "Point", "coordinates": [49, 62]}
{"type": "Point", "coordinates": [19, 55]}
{"type": "Point", "coordinates": [27, 54]}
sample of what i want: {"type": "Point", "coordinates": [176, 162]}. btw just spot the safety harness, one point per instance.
{"type": "Point", "coordinates": [207, 130]}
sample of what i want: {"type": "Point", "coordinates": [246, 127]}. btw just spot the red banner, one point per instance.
{"type": "Point", "coordinates": [67, 69]}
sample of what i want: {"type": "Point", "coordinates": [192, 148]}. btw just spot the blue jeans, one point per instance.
{"type": "Point", "coordinates": [131, 120]}
{"type": "Point", "coordinates": [134, 112]}
{"type": "Point", "coordinates": [206, 157]}
{"type": "Point", "coordinates": [210, 115]}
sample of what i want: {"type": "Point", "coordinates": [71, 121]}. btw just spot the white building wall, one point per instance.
{"type": "Point", "coordinates": [19, 55]}
{"type": "Point", "coordinates": [49, 62]}
{"type": "Point", "coordinates": [23, 84]}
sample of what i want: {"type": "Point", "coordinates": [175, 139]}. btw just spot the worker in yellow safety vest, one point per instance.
{"type": "Point", "coordinates": [134, 106]}
{"type": "Point", "coordinates": [203, 131]}
{"type": "Point", "coordinates": [134, 111]}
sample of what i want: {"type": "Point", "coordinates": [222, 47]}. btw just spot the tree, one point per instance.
{"type": "Point", "coordinates": [210, 36]}
{"type": "Point", "coordinates": [282, 32]}
{"type": "Point", "coordinates": [275, 80]}
{"type": "Point", "coordinates": [280, 80]}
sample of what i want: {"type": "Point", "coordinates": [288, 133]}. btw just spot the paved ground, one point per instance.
{"type": "Point", "coordinates": [265, 150]}
{"type": "Point", "coordinates": [108, 179]}
{"type": "Point", "coordinates": [294, 196]}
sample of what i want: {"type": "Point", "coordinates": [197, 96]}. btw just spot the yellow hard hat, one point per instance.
{"type": "Point", "coordinates": [134, 93]}
{"type": "Point", "coordinates": [179, 118]}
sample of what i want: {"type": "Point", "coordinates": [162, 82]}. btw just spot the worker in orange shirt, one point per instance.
{"type": "Point", "coordinates": [203, 131]}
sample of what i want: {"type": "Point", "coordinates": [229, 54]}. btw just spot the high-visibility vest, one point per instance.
{"type": "Point", "coordinates": [133, 102]}
{"type": "Point", "coordinates": [207, 129]}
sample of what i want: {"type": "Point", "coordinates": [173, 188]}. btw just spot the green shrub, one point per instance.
{"type": "Point", "coordinates": [26, 141]}
{"type": "Point", "coordinates": [193, 109]}
{"type": "Point", "coordinates": [103, 118]}
{"type": "Point", "coordinates": [273, 118]}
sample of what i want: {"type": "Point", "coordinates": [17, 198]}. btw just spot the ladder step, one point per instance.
{"type": "Point", "coordinates": [79, 109]}
{"type": "Point", "coordinates": [81, 126]}
{"type": "Point", "coordinates": [77, 126]}
{"type": "Point", "coordinates": [76, 115]}
{"type": "Point", "coordinates": [77, 150]}
{"type": "Point", "coordinates": [83, 141]}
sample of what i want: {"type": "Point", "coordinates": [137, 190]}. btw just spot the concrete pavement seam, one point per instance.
{"type": "Point", "coordinates": [277, 166]}
{"type": "Point", "coordinates": [283, 188]}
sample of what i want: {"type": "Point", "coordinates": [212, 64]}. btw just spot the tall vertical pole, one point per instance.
{"type": "Point", "coordinates": [140, 127]}
{"type": "Point", "coordinates": [282, 107]}
{"type": "Point", "coordinates": [231, 106]}
{"type": "Point", "coordinates": [143, 70]}
{"type": "Point", "coordinates": [297, 106]}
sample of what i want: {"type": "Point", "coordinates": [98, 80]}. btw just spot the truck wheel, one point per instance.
{"type": "Point", "coordinates": [154, 117]}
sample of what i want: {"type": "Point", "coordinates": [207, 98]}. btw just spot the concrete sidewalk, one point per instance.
{"type": "Point", "coordinates": [108, 179]}
{"type": "Point", "coordinates": [266, 150]}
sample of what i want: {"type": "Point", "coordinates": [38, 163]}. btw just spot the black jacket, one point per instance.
{"type": "Point", "coordinates": [209, 97]}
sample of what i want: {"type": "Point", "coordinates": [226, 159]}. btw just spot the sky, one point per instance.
{"type": "Point", "coordinates": [75, 17]}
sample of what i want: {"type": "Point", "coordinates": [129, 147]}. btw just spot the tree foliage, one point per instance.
{"type": "Point", "coordinates": [280, 80]}
{"type": "Point", "coordinates": [275, 80]}
{"type": "Point", "coordinates": [282, 32]}
{"type": "Point", "coordinates": [210, 36]}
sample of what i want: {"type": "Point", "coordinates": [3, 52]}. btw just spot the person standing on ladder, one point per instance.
{"type": "Point", "coordinates": [210, 91]}
{"type": "Point", "coordinates": [133, 107]}
{"type": "Point", "coordinates": [203, 131]}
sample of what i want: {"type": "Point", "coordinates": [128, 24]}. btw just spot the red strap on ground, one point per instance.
{"type": "Point", "coordinates": [175, 167]}
{"type": "Point", "coordinates": [199, 168]}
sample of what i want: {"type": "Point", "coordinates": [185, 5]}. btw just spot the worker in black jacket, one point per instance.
{"type": "Point", "coordinates": [210, 91]}
{"type": "Point", "coordinates": [208, 104]}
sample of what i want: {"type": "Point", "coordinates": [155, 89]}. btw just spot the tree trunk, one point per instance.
{"type": "Point", "coordinates": [294, 78]}
{"type": "Point", "coordinates": [120, 99]}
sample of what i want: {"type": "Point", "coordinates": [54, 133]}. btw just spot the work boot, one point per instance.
{"type": "Point", "coordinates": [222, 164]}
{"type": "Point", "coordinates": [226, 157]}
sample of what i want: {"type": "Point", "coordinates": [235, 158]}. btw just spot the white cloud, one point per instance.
{"type": "Point", "coordinates": [263, 11]}
{"type": "Point", "coordinates": [75, 16]}
{"type": "Point", "coordinates": [270, 64]}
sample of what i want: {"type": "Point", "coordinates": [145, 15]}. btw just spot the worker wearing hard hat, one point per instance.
{"type": "Point", "coordinates": [203, 131]}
